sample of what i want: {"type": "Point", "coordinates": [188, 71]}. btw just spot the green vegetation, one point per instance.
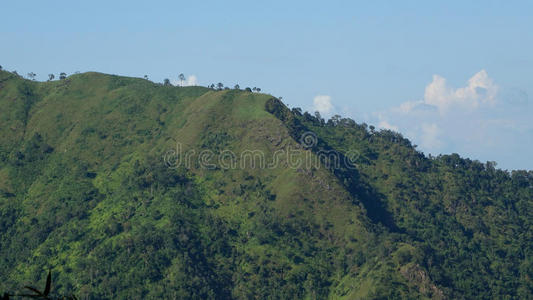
{"type": "Point", "coordinates": [86, 191]}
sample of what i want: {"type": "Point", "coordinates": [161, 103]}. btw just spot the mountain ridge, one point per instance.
{"type": "Point", "coordinates": [90, 187]}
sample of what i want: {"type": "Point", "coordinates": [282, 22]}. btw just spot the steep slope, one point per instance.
{"type": "Point", "coordinates": [472, 221]}
{"type": "Point", "coordinates": [130, 189]}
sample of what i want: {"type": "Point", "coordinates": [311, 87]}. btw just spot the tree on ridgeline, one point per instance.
{"type": "Point", "coordinates": [220, 85]}
{"type": "Point", "coordinates": [51, 77]}
{"type": "Point", "coordinates": [166, 82]}
{"type": "Point", "coordinates": [181, 77]}
{"type": "Point", "coordinates": [31, 75]}
{"type": "Point", "coordinates": [62, 75]}
{"type": "Point", "coordinates": [319, 118]}
{"type": "Point", "coordinates": [297, 111]}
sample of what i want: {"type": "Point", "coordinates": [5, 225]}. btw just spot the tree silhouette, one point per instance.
{"type": "Point", "coordinates": [62, 75]}
{"type": "Point", "coordinates": [237, 87]}
{"type": "Point", "coordinates": [37, 294]}
{"type": "Point", "coordinates": [297, 111]}
{"type": "Point", "coordinates": [220, 85]}
{"type": "Point", "coordinates": [181, 77]}
{"type": "Point", "coordinates": [51, 77]}
{"type": "Point", "coordinates": [166, 82]}
{"type": "Point", "coordinates": [319, 118]}
{"type": "Point", "coordinates": [31, 75]}
{"type": "Point", "coordinates": [146, 77]}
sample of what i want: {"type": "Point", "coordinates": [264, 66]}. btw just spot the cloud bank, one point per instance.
{"type": "Point", "coordinates": [480, 91]}
{"type": "Point", "coordinates": [480, 120]}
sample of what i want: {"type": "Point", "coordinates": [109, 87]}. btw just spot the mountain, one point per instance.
{"type": "Point", "coordinates": [130, 189]}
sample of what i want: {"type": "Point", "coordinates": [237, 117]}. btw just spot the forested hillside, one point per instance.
{"type": "Point", "coordinates": [130, 189]}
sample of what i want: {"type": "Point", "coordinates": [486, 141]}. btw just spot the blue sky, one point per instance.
{"type": "Point", "coordinates": [453, 76]}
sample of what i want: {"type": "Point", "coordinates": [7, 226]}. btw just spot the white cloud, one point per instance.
{"type": "Point", "coordinates": [189, 81]}
{"type": "Point", "coordinates": [480, 91]}
{"type": "Point", "coordinates": [479, 120]}
{"type": "Point", "coordinates": [322, 104]}
{"type": "Point", "coordinates": [385, 125]}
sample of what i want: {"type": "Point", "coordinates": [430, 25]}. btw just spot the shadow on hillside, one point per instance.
{"type": "Point", "coordinates": [346, 172]}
